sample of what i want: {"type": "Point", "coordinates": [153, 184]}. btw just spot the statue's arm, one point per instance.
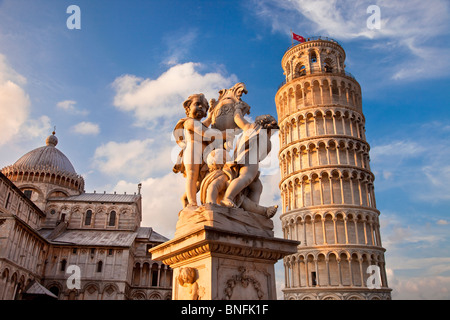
{"type": "Point", "coordinates": [200, 129]}
{"type": "Point", "coordinates": [240, 120]}
{"type": "Point", "coordinates": [208, 120]}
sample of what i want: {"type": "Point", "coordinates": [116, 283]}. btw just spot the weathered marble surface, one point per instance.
{"type": "Point", "coordinates": [223, 264]}
{"type": "Point", "coordinates": [224, 218]}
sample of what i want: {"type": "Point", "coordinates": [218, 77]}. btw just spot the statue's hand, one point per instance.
{"type": "Point", "coordinates": [212, 106]}
{"type": "Point", "coordinates": [243, 106]}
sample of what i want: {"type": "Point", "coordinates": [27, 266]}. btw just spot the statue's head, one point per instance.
{"type": "Point", "coordinates": [186, 275]}
{"type": "Point", "coordinates": [196, 106]}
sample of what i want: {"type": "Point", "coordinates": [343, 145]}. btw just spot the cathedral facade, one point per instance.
{"type": "Point", "coordinates": [327, 187]}
{"type": "Point", "coordinates": [59, 242]}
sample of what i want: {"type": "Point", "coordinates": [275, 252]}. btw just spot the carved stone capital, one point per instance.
{"type": "Point", "coordinates": [214, 241]}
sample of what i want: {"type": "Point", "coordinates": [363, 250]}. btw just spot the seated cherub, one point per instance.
{"type": "Point", "coordinates": [216, 182]}
{"type": "Point", "coordinates": [251, 148]}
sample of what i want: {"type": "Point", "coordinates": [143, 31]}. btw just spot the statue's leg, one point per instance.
{"type": "Point", "coordinates": [184, 200]}
{"type": "Point", "coordinates": [192, 171]}
{"type": "Point", "coordinates": [246, 175]}
{"type": "Point", "coordinates": [255, 189]}
{"type": "Point", "coordinates": [249, 205]}
{"type": "Point", "coordinates": [214, 189]}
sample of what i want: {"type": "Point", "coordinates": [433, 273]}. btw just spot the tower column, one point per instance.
{"type": "Point", "coordinates": [350, 270]}
{"type": "Point", "coordinates": [328, 272]}
{"type": "Point", "coordinates": [363, 284]}
{"type": "Point", "coordinates": [323, 231]}
{"type": "Point", "coordinates": [335, 230]}
{"type": "Point", "coordinates": [339, 271]}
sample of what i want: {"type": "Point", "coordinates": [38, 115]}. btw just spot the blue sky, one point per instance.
{"type": "Point", "coordinates": [114, 91]}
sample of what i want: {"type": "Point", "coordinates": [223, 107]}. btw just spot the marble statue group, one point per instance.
{"type": "Point", "coordinates": [220, 155]}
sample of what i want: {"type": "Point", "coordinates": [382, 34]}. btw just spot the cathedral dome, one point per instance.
{"type": "Point", "coordinates": [46, 158]}
{"type": "Point", "coordinates": [45, 164]}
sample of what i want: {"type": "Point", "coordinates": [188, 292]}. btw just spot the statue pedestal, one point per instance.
{"type": "Point", "coordinates": [221, 253]}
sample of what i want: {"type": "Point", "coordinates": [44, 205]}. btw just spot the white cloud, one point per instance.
{"type": "Point", "coordinates": [419, 288]}
{"type": "Point", "coordinates": [401, 232]}
{"type": "Point", "coordinates": [162, 98]}
{"type": "Point", "coordinates": [409, 26]}
{"type": "Point", "coordinates": [416, 257]}
{"type": "Point", "coordinates": [179, 44]}
{"type": "Point", "coordinates": [270, 197]}
{"type": "Point", "coordinates": [425, 63]}
{"type": "Point", "coordinates": [438, 175]}
{"type": "Point", "coordinates": [161, 201]}
{"type": "Point", "coordinates": [396, 149]}
{"type": "Point", "coordinates": [36, 128]}
{"type": "Point", "coordinates": [86, 128]}
{"type": "Point", "coordinates": [7, 73]}
{"type": "Point", "coordinates": [442, 222]}
{"type": "Point", "coordinates": [135, 158]}
{"type": "Point", "coordinates": [271, 165]}
{"type": "Point", "coordinates": [348, 19]}
{"type": "Point", "coordinates": [386, 174]}
{"type": "Point", "coordinates": [66, 104]}
{"type": "Point", "coordinates": [14, 101]}
{"type": "Point", "coordinates": [407, 165]}
{"type": "Point", "coordinates": [402, 235]}
{"type": "Point", "coordinates": [69, 105]}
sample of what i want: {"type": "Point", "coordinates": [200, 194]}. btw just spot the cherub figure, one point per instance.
{"type": "Point", "coordinates": [193, 136]}
{"type": "Point", "coordinates": [186, 279]}
{"type": "Point", "coordinates": [253, 146]}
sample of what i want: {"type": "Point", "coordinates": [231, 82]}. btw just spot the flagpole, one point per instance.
{"type": "Point", "coordinates": [292, 37]}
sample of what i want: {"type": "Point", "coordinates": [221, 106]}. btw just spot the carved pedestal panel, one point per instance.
{"type": "Point", "coordinates": [212, 263]}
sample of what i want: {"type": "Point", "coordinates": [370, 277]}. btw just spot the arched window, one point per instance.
{"type": "Point", "coordinates": [300, 70]}
{"type": "Point", "coordinates": [63, 265]}
{"type": "Point", "coordinates": [313, 57]}
{"type": "Point", "coordinates": [112, 219]}
{"type": "Point", "coordinates": [328, 65]}
{"type": "Point", "coordinates": [154, 273]}
{"type": "Point", "coordinates": [54, 290]}
{"type": "Point", "coordinates": [7, 201]}
{"type": "Point", "coordinates": [99, 266]}
{"type": "Point", "coordinates": [28, 193]}
{"type": "Point", "coordinates": [87, 219]}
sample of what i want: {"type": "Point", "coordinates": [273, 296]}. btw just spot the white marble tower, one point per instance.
{"type": "Point", "coordinates": [326, 182]}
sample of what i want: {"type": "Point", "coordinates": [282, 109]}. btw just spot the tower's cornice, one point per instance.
{"type": "Point", "coordinates": [310, 43]}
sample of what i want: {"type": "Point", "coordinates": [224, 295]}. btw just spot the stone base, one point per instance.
{"type": "Point", "coordinates": [233, 219]}
{"type": "Point", "coordinates": [212, 263]}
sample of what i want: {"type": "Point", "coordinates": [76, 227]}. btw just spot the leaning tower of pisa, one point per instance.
{"type": "Point", "coordinates": [326, 182]}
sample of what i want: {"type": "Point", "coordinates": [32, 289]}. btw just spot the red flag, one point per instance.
{"type": "Point", "coordinates": [298, 38]}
